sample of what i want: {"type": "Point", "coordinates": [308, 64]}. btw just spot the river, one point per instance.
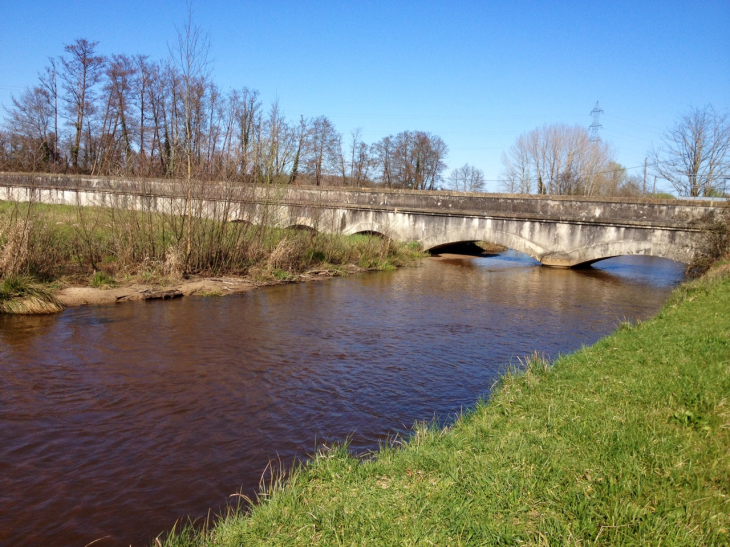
{"type": "Point", "coordinates": [116, 421]}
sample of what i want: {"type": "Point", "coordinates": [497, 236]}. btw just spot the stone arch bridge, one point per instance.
{"type": "Point", "coordinates": [556, 230]}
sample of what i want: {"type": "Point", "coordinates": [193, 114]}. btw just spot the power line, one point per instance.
{"type": "Point", "coordinates": [596, 125]}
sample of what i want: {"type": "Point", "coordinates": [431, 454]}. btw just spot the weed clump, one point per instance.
{"type": "Point", "coordinates": [101, 280]}
{"type": "Point", "coordinates": [97, 246]}
{"type": "Point", "coordinates": [21, 295]}
{"type": "Point", "coordinates": [715, 245]}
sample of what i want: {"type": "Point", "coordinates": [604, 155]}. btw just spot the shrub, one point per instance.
{"type": "Point", "coordinates": [715, 245]}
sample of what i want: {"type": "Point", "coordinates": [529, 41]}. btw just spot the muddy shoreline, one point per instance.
{"type": "Point", "coordinates": [208, 286]}
{"type": "Point", "coordinates": [193, 286]}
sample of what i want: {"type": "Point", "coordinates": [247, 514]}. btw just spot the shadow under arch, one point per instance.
{"type": "Point", "coordinates": [372, 233]}
{"type": "Point", "coordinates": [660, 260]}
{"type": "Point", "coordinates": [465, 248]}
{"type": "Point", "coordinates": [369, 229]}
{"type": "Point", "coordinates": [623, 248]}
{"type": "Point", "coordinates": [301, 228]}
{"type": "Point", "coordinates": [505, 239]}
{"type": "Point", "coordinates": [298, 223]}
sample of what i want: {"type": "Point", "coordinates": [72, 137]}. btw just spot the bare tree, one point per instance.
{"type": "Point", "coordinates": [466, 178]}
{"type": "Point", "coordinates": [278, 146]}
{"type": "Point", "coordinates": [249, 120]}
{"type": "Point", "coordinates": [360, 160]}
{"type": "Point", "coordinates": [695, 153]}
{"type": "Point", "coordinates": [517, 174]}
{"type": "Point", "coordinates": [555, 159]}
{"type": "Point", "coordinates": [115, 146]}
{"type": "Point", "coordinates": [49, 82]}
{"type": "Point", "coordinates": [382, 154]}
{"type": "Point", "coordinates": [190, 56]}
{"type": "Point", "coordinates": [30, 118]}
{"type": "Point", "coordinates": [615, 181]}
{"type": "Point", "coordinates": [82, 70]}
{"type": "Point", "coordinates": [300, 137]}
{"type": "Point", "coordinates": [142, 92]}
{"type": "Point", "coordinates": [415, 159]}
{"type": "Point", "coordinates": [323, 150]}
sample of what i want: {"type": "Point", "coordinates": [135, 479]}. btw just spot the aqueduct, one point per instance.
{"type": "Point", "coordinates": [556, 230]}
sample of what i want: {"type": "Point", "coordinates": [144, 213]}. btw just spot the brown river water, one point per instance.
{"type": "Point", "coordinates": [116, 421]}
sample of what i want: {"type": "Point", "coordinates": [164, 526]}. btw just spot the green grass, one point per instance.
{"type": "Point", "coordinates": [101, 280]}
{"type": "Point", "coordinates": [623, 443]}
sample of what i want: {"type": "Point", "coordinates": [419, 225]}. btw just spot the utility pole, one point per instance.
{"type": "Point", "coordinates": [645, 176]}
{"type": "Point", "coordinates": [596, 125]}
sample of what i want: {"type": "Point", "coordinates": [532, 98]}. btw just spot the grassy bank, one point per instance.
{"type": "Point", "coordinates": [65, 245]}
{"type": "Point", "coordinates": [623, 443]}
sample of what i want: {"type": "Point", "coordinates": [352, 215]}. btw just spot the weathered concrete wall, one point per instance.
{"type": "Point", "coordinates": [611, 210]}
{"type": "Point", "coordinates": [553, 243]}
{"type": "Point", "coordinates": [558, 231]}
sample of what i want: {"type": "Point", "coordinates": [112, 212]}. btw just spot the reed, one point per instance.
{"type": "Point", "coordinates": [114, 244]}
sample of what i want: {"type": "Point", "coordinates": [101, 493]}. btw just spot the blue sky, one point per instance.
{"type": "Point", "coordinates": [476, 73]}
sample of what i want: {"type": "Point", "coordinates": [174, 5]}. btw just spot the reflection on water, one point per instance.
{"type": "Point", "coordinates": [115, 421]}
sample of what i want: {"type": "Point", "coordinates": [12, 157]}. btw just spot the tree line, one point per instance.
{"type": "Point", "coordinates": [128, 115]}
{"type": "Point", "coordinates": [693, 156]}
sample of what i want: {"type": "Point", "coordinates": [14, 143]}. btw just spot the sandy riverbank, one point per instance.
{"type": "Point", "coordinates": [198, 285]}
{"type": "Point", "coordinates": [202, 286]}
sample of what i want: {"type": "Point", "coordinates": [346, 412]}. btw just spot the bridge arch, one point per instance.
{"type": "Point", "coordinates": [369, 228]}
{"type": "Point", "coordinates": [300, 223]}
{"type": "Point", "coordinates": [626, 247]}
{"type": "Point", "coordinates": [562, 245]}
{"type": "Point", "coordinates": [372, 234]}
{"type": "Point", "coordinates": [507, 239]}
{"type": "Point", "coordinates": [238, 220]}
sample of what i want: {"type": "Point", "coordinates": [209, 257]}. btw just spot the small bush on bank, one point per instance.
{"type": "Point", "coordinates": [715, 245]}
{"type": "Point", "coordinates": [102, 279]}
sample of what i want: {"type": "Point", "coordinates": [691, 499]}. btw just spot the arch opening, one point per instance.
{"type": "Point", "coordinates": [498, 238]}
{"type": "Point", "coordinates": [371, 233]}
{"type": "Point", "coordinates": [587, 256]}
{"type": "Point", "coordinates": [658, 271]}
{"type": "Point", "coordinates": [301, 228]}
{"type": "Point", "coordinates": [629, 258]}
{"type": "Point", "coordinates": [369, 228]}
{"type": "Point", "coordinates": [479, 249]}
{"type": "Point", "coordinates": [466, 248]}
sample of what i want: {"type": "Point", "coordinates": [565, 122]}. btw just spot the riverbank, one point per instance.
{"type": "Point", "coordinates": [625, 442]}
{"type": "Point", "coordinates": [55, 255]}
{"type": "Point", "coordinates": [194, 286]}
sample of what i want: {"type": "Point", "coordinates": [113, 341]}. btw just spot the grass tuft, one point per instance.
{"type": "Point", "coordinates": [21, 295]}
{"type": "Point", "coordinates": [101, 280]}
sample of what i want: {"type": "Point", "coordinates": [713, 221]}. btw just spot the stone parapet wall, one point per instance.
{"type": "Point", "coordinates": [620, 211]}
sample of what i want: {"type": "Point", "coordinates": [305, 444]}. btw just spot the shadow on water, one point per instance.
{"type": "Point", "coordinates": [19, 330]}
{"type": "Point", "coordinates": [657, 272]}
{"type": "Point", "coordinates": [116, 421]}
